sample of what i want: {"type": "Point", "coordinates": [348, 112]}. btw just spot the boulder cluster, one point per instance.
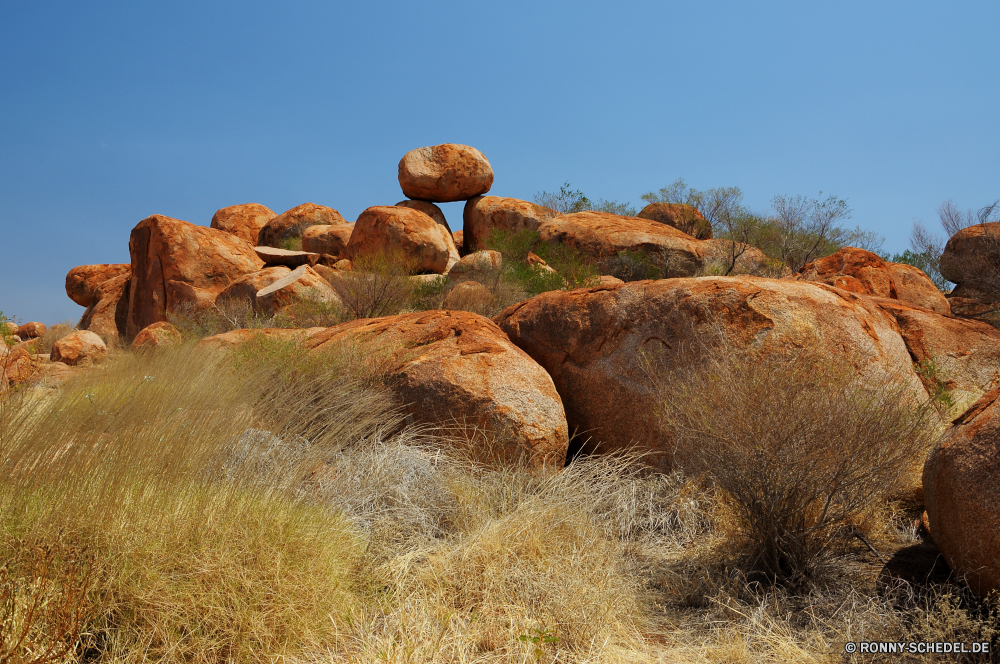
{"type": "Point", "coordinates": [569, 364]}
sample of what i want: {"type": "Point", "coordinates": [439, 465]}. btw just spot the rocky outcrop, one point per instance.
{"type": "Point", "coordinates": [453, 366]}
{"type": "Point", "coordinates": [82, 282]}
{"type": "Point", "coordinates": [302, 283]}
{"type": "Point", "coordinates": [596, 343]}
{"type": "Point", "coordinates": [428, 208]}
{"type": "Point", "coordinates": [602, 235]}
{"type": "Point", "coordinates": [957, 357]}
{"type": "Point", "coordinates": [484, 215]}
{"type": "Point", "coordinates": [157, 335]}
{"type": "Point", "coordinates": [290, 224]}
{"type": "Point", "coordinates": [273, 257]}
{"type": "Point", "coordinates": [961, 484]}
{"type": "Point", "coordinates": [108, 315]}
{"type": "Point", "coordinates": [860, 271]}
{"type": "Point", "coordinates": [82, 347]}
{"type": "Point", "coordinates": [330, 239]}
{"type": "Point", "coordinates": [480, 266]}
{"type": "Point", "coordinates": [685, 218]}
{"type": "Point", "coordinates": [176, 265]}
{"type": "Point", "coordinates": [30, 330]}
{"type": "Point", "coordinates": [244, 221]}
{"type": "Point", "coordinates": [245, 288]}
{"type": "Point", "coordinates": [388, 230]}
{"type": "Point", "coordinates": [445, 173]}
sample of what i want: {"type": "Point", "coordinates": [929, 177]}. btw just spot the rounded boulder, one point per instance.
{"type": "Point", "coordinates": [445, 173]}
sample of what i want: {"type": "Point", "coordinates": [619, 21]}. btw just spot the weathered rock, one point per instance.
{"type": "Point", "coordinates": [82, 282]}
{"type": "Point", "coordinates": [176, 264]}
{"type": "Point", "coordinates": [302, 283]}
{"type": "Point", "coordinates": [962, 356]}
{"type": "Point", "coordinates": [478, 266]}
{"type": "Point", "coordinates": [684, 218]}
{"type": "Point", "coordinates": [237, 337]}
{"type": "Point", "coordinates": [972, 257]}
{"type": "Point", "coordinates": [30, 330]}
{"type": "Point", "coordinates": [453, 365]}
{"type": "Point", "coordinates": [246, 287]}
{"type": "Point", "coordinates": [719, 254]}
{"type": "Point", "coordinates": [860, 271]}
{"type": "Point", "coordinates": [79, 348]}
{"type": "Point", "coordinates": [330, 239]}
{"type": "Point", "coordinates": [108, 315]}
{"type": "Point", "coordinates": [428, 208]}
{"type": "Point", "coordinates": [601, 235]}
{"type": "Point", "coordinates": [485, 214]}
{"type": "Point", "coordinates": [444, 173]}
{"type": "Point", "coordinates": [409, 232]}
{"type": "Point", "coordinates": [468, 296]}
{"type": "Point", "coordinates": [595, 343]}
{"type": "Point", "coordinates": [157, 335]}
{"type": "Point", "coordinates": [273, 256]}
{"type": "Point", "coordinates": [16, 366]}
{"type": "Point", "coordinates": [962, 493]}
{"type": "Point", "coordinates": [292, 223]}
{"type": "Point", "coordinates": [608, 280]}
{"type": "Point", "coordinates": [244, 221]}
{"type": "Point", "coordinates": [459, 237]}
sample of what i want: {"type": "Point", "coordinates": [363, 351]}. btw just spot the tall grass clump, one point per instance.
{"type": "Point", "coordinates": [178, 478]}
{"type": "Point", "coordinates": [799, 450]}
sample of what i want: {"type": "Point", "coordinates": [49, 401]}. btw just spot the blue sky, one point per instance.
{"type": "Point", "coordinates": [114, 111]}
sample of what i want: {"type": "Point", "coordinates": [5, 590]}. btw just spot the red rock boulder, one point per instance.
{"type": "Point", "coordinates": [82, 282]}
{"type": "Point", "coordinates": [484, 215]}
{"type": "Point", "coordinates": [246, 287]}
{"type": "Point", "coordinates": [244, 221]}
{"type": "Point", "coordinates": [108, 315]}
{"type": "Point", "coordinates": [448, 366]}
{"type": "Point", "coordinates": [157, 335]}
{"type": "Point", "coordinates": [30, 330]}
{"type": "Point", "coordinates": [289, 225]}
{"type": "Point", "coordinates": [391, 229]}
{"type": "Point", "coordinates": [330, 239]}
{"type": "Point", "coordinates": [292, 259]}
{"type": "Point", "coordinates": [428, 208]}
{"type": "Point", "coordinates": [962, 494]}
{"type": "Point", "coordinates": [971, 257]}
{"type": "Point", "coordinates": [302, 283]}
{"type": "Point", "coordinates": [176, 265]}
{"type": "Point", "coordinates": [685, 218]}
{"type": "Point", "coordinates": [596, 343]}
{"type": "Point", "coordinates": [445, 173]}
{"type": "Point", "coordinates": [82, 347]}
{"type": "Point", "coordinates": [602, 235]}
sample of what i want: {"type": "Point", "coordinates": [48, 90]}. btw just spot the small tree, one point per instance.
{"type": "Point", "coordinates": [568, 201]}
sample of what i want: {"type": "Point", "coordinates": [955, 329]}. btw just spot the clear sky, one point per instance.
{"type": "Point", "coordinates": [112, 111]}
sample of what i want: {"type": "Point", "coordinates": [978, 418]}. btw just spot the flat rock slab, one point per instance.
{"type": "Point", "coordinates": [273, 256]}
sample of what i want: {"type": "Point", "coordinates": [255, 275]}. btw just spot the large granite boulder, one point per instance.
{"type": "Point", "coordinates": [484, 215]}
{"type": "Point", "coordinates": [82, 347]}
{"type": "Point", "coordinates": [685, 218]}
{"type": "Point", "coordinates": [445, 173]}
{"type": "Point", "coordinates": [291, 223]}
{"type": "Point", "coordinates": [329, 239]}
{"type": "Point", "coordinates": [82, 282]}
{"type": "Point", "coordinates": [389, 230]}
{"type": "Point", "coordinates": [244, 221]}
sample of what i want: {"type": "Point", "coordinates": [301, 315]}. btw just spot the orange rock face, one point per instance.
{"type": "Point", "coordinates": [16, 366]}
{"type": "Point", "coordinates": [108, 315]}
{"type": "Point", "coordinates": [958, 354]}
{"type": "Point", "coordinates": [243, 221]}
{"type": "Point", "coordinates": [177, 264]}
{"type": "Point", "coordinates": [972, 256]}
{"type": "Point", "coordinates": [330, 239]}
{"type": "Point", "coordinates": [860, 271]}
{"type": "Point", "coordinates": [445, 173]}
{"type": "Point", "coordinates": [79, 348]}
{"type": "Point", "coordinates": [302, 283]}
{"type": "Point", "coordinates": [30, 330]}
{"type": "Point", "coordinates": [485, 214]}
{"type": "Point", "coordinates": [387, 229]}
{"type": "Point", "coordinates": [595, 342]}
{"type": "Point", "coordinates": [962, 494]}
{"type": "Point", "coordinates": [290, 224]}
{"type": "Point", "coordinates": [82, 282]}
{"type": "Point", "coordinates": [684, 218]}
{"type": "Point", "coordinates": [428, 208]}
{"type": "Point", "coordinates": [602, 235]}
{"type": "Point", "coordinates": [453, 365]}
{"type": "Point", "coordinates": [157, 335]}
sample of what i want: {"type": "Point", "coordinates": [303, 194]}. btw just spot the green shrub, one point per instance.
{"type": "Point", "coordinates": [572, 268]}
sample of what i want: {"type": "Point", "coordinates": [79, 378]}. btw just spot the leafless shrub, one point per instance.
{"type": "Point", "coordinates": [378, 285]}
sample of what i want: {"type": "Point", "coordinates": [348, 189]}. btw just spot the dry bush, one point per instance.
{"type": "Point", "coordinates": [799, 448]}
{"type": "Point", "coordinates": [53, 334]}
{"type": "Point", "coordinates": [311, 311]}
{"type": "Point", "coordinates": [224, 316]}
{"type": "Point", "coordinates": [378, 284]}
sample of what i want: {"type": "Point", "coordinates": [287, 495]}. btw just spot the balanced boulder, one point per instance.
{"type": "Point", "coordinates": [961, 484]}
{"type": "Point", "coordinates": [388, 230]}
{"type": "Point", "coordinates": [329, 239]}
{"type": "Point", "coordinates": [602, 235]}
{"type": "Point", "coordinates": [684, 218]}
{"type": "Point", "coordinates": [290, 224]}
{"type": "Point", "coordinates": [79, 348]}
{"type": "Point", "coordinates": [176, 264]}
{"type": "Point", "coordinates": [485, 215]}
{"type": "Point", "coordinates": [445, 173]}
{"type": "Point", "coordinates": [598, 343]}
{"type": "Point", "coordinates": [82, 282]}
{"type": "Point", "coordinates": [302, 283]}
{"type": "Point", "coordinates": [157, 335]}
{"type": "Point", "coordinates": [457, 368]}
{"type": "Point", "coordinates": [244, 221]}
